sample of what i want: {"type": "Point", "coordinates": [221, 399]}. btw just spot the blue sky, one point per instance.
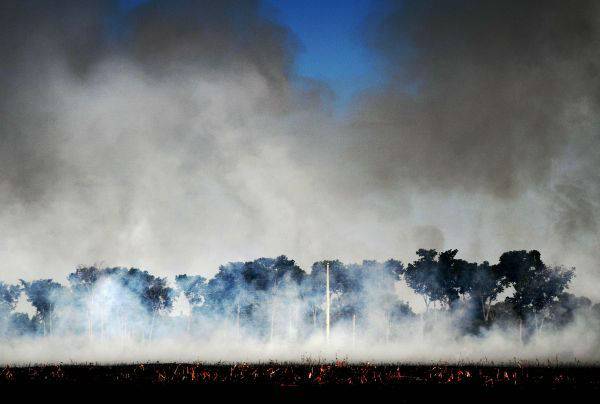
{"type": "Point", "coordinates": [329, 31]}
{"type": "Point", "coordinates": [332, 48]}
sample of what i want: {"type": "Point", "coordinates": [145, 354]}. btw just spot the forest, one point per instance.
{"type": "Point", "coordinates": [274, 298]}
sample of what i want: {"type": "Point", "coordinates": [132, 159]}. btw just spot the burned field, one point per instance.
{"type": "Point", "coordinates": [301, 382]}
{"type": "Point", "coordinates": [486, 379]}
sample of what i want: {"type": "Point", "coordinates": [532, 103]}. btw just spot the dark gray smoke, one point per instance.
{"type": "Point", "coordinates": [117, 128]}
{"type": "Point", "coordinates": [46, 41]}
{"type": "Point", "coordinates": [177, 136]}
{"type": "Point", "coordinates": [481, 95]}
{"type": "Point", "coordinates": [496, 98]}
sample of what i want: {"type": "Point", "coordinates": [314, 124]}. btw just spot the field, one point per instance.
{"type": "Point", "coordinates": [468, 382]}
{"type": "Point", "coordinates": [339, 373]}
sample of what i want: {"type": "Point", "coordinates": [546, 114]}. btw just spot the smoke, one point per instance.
{"type": "Point", "coordinates": [491, 99]}
{"type": "Point", "coordinates": [575, 345]}
{"type": "Point", "coordinates": [270, 309]}
{"type": "Point", "coordinates": [177, 135]}
{"type": "Point", "coordinates": [189, 135]}
{"type": "Point", "coordinates": [484, 95]}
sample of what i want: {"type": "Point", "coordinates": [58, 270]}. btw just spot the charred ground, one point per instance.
{"type": "Point", "coordinates": [406, 382]}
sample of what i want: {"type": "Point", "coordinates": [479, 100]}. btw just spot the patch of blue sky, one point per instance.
{"type": "Point", "coordinates": [333, 50]}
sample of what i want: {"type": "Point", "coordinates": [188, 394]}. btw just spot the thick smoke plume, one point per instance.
{"type": "Point", "coordinates": [484, 94]}
{"type": "Point", "coordinates": [177, 135]}
{"type": "Point", "coordinates": [491, 97]}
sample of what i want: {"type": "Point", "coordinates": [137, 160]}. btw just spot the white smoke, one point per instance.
{"type": "Point", "coordinates": [191, 145]}
{"type": "Point", "coordinates": [112, 326]}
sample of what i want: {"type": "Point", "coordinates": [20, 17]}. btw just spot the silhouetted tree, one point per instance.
{"type": "Point", "coordinates": [225, 288]}
{"type": "Point", "coordinates": [264, 293]}
{"type": "Point", "coordinates": [237, 291]}
{"type": "Point", "coordinates": [193, 288]}
{"type": "Point", "coordinates": [153, 292]}
{"type": "Point", "coordinates": [343, 286]}
{"type": "Point", "coordinates": [84, 278]}
{"type": "Point", "coordinates": [82, 282]}
{"type": "Point", "coordinates": [43, 294]}
{"type": "Point", "coordinates": [9, 295]}
{"type": "Point", "coordinates": [562, 311]}
{"type": "Point", "coordinates": [536, 285]}
{"type": "Point", "coordinates": [287, 273]}
{"type": "Point", "coordinates": [20, 324]}
{"type": "Point", "coordinates": [483, 283]}
{"type": "Point", "coordinates": [435, 277]}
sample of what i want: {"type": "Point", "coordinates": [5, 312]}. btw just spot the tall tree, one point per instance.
{"type": "Point", "coordinates": [435, 277]}
{"type": "Point", "coordinates": [536, 285]}
{"type": "Point", "coordinates": [225, 289]}
{"type": "Point", "coordinates": [9, 295]}
{"type": "Point", "coordinates": [43, 294]}
{"type": "Point", "coordinates": [82, 282]}
{"type": "Point", "coordinates": [84, 278]}
{"type": "Point", "coordinates": [483, 283]}
{"type": "Point", "coordinates": [193, 288]}
{"type": "Point", "coordinates": [343, 287]}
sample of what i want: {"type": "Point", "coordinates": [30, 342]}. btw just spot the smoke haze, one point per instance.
{"type": "Point", "coordinates": [176, 135]}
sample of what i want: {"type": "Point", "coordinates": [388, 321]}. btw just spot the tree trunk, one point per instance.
{"type": "Point", "coordinates": [290, 328]}
{"type": "Point", "coordinates": [353, 330]}
{"type": "Point", "coordinates": [488, 310]}
{"type": "Point", "coordinates": [102, 326]}
{"type": "Point", "coordinates": [237, 330]}
{"type": "Point", "coordinates": [272, 321]}
{"type": "Point", "coordinates": [521, 330]}
{"type": "Point", "coordinates": [327, 305]}
{"type": "Point", "coordinates": [388, 326]}
{"type": "Point", "coordinates": [483, 311]}
{"type": "Point", "coordinates": [89, 318]}
{"type": "Point", "coordinates": [151, 327]}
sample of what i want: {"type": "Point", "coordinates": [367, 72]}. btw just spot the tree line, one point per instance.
{"type": "Point", "coordinates": [264, 296]}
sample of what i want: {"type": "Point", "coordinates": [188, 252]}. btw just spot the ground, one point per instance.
{"type": "Point", "coordinates": [339, 380]}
